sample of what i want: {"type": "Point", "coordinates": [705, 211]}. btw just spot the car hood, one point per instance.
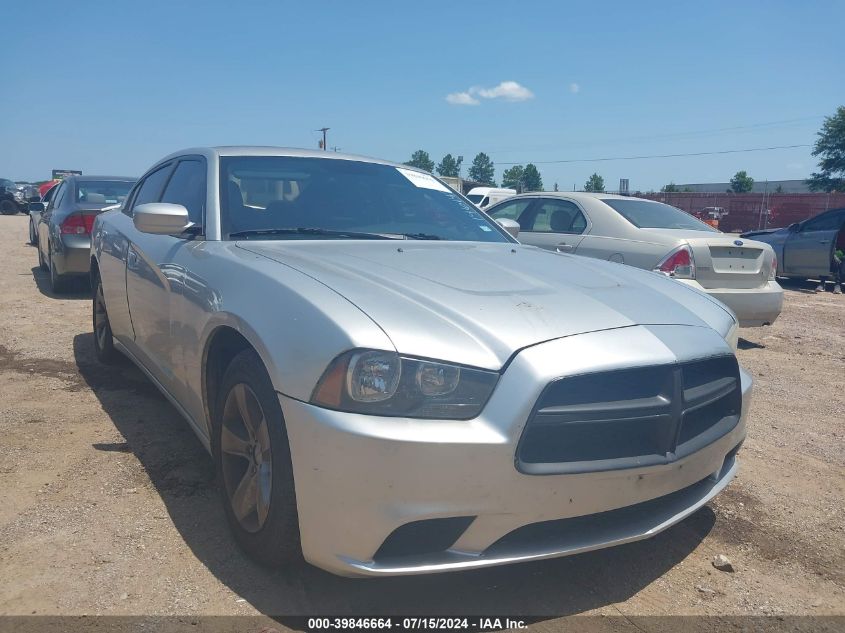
{"type": "Point", "coordinates": [478, 304]}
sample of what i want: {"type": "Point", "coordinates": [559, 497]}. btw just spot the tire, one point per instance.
{"type": "Point", "coordinates": [41, 263]}
{"type": "Point", "coordinates": [7, 207]}
{"type": "Point", "coordinates": [32, 239]}
{"type": "Point", "coordinates": [58, 283]}
{"type": "Point", "coordinates": [103, 339]}
{"type": "Point", "coordinates": [254, 465]}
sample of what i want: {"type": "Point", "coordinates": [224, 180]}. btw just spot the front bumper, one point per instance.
{"type": "Point", "coordinates": [358, 478]}
{"type": "Point", "coordinates": [753, 307]}
{"type": "Point", "coordinates": [72, 255]}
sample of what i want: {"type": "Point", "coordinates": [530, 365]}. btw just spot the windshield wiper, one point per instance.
{"type": "Point", "coordinates": [310, 230]}
{"type": "Point", "coordinates": [421, 236]}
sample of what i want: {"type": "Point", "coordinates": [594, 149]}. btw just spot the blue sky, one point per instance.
{"type": "Point", "coordinates": [110, 87]}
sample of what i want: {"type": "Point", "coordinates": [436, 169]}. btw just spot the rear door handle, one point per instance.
{"type": "Point", "coordinates": [563, 247]}
{"type": "Point", "coordinates": [131, 259]}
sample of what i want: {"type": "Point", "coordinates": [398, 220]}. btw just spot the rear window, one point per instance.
{"type": "Point", "coordinates": [103, 191]}
{"type": "Point", "coordinates": [645, 214]}
{"type": "Point", "coordinates": [475, 198]}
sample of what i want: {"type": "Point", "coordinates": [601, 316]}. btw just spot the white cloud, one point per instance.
{"type": "Point", "coordinates": [507, 90]}
{"type": "Point", "coordinates": [574, 88]}
{"type": "Point", "coordinates": [462, 98]}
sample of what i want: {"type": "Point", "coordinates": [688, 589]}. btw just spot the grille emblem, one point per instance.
{"type": "Point", "coordinates": [738, 242]}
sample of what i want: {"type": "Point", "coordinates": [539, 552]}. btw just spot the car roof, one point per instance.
{"type": "Point", "coordinates": [262, 150]}
{"type": "Point", "coordinates": [99, 178]}
{"type": "Point", "coordinates": [577, 195]}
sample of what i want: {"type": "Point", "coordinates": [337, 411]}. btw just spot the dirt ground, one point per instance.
{"type": "Point", "coordinates": [108, 504]}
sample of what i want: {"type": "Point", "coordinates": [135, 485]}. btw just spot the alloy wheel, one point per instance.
{"type": "Point", "coordinates": [246, 457]}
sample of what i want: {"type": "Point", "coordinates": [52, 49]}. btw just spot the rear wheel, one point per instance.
{"type": "Point", "coordinates": [7, 207]}
{"type": "Point", "coordinates": [41, 263]}
{"type": "Point", "coordinates": [32, 239]}
{"type": "Point", "coordinates": [58, 283]}
{"type": "Point", "coordinates": [254, 465]}
{"type": "Point", "coordinates": [103, 339]}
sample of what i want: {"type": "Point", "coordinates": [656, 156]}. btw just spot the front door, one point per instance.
{"type": "Point", "coordinates": [808, 250]}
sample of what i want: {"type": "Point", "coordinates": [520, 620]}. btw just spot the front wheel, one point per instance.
{"type": "Point", "coordinates": [32, 239]}
{"type": "Point", "coordinates": [254, 464]}
{"type": "Point", "coordinates": [103, 339]}
{"type": "Point", "coordinates": [7, 207]}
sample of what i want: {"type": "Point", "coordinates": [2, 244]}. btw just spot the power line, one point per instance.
{"type": "Point", "coordinates": [598, 160]}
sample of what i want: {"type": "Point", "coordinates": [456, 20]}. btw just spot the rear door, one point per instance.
{"type": "Point", "coordinates": [554, 224]}
{"type": "Point", "coordinates": [147, 283]}
{"type": "Point", "coordinates": [808, 250]}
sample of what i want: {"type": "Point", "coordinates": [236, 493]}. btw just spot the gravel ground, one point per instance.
{"type": "Point", "coordinates": [108, 504]}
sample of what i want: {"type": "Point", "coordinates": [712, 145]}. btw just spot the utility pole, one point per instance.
{"type": "Point", "coordinates": [323, 130]}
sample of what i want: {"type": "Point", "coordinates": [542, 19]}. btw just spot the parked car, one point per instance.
{"type": "Point", "coordinates": [63, 231]}
{"type": "Point", "coordinates": [805, 249]}
{"type": "Point", "coordinates": [11, 198]}
{"type": "Point", "coordinates": [482, 197]}
{"type": "Point", "coordinates": [653, 236]}
{"type": "Point", "coordinates": [35, 209]}
{"type": "Point", "coordinates": [367, 349]}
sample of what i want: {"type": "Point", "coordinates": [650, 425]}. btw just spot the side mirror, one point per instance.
{"type": "Point", "coordinates": [511, 226]}
{"type": "Point", "coordinates": [160, 218]}
{"type": "Point", "coordinates": [794, 227]}
{"type": "Point", "coordinates": [36, 206]}
{"type": "Point", "coordinates": [34, 199]}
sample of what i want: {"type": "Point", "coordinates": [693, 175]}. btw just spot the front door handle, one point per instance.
{"type": "Point", "coordinates": [563, 247]}
{"type": "Point", "coordinates": [131, 259]}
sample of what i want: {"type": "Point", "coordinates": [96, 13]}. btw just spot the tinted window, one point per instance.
{"type": "Point", "coordinates": [558, 216]}
{"type": "Point", "coordinates": [475, 198]}
{"type": "Point", "coordinates": [150, 189]}
{"type": "Point", "coordinates": [285, 192]}
{"type": "Point", "coordinates": [102, 191]}
{"type": "Point", "coordinates": [49, 195]}
{"type": "Point", "coordinates": [645, 214]}
{"type": "Point", "coordinates": [825, 222]}
{"type": "Point", "coordinates": [60, 194]}
{"type": "Point", "coordinates": [187, 187]}
{"type": "Point", "coordinates": [510, 210]}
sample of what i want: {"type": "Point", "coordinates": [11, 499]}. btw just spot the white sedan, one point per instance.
{"type": "Point", "coordinates": [655, 236]}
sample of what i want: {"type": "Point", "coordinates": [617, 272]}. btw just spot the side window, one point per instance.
{"type": "Point", "coordinates": [187, 187]}
{"type": "Point", "coordinates": [558, 216]}
{"type": "Point", "coordinates": [48, 197]}
{"type": "Point", "coordinates": [150, 188]}
{"type": "Point", "coordinates": [827, 222]}
{"type": "Point", "coordinates": [510, 210]}
{"type": "Point", "coordinates": [57, 198]}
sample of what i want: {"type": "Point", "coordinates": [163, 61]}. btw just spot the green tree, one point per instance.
{"type": "Point", "coordinates": [741, 182]}
{"type": "Point", "coordinates": [512, 178]}
{"type": "Point", "coordinates": [594, 183]}
{"type": "Point", "coordinates": [670, 188]}
{"type": "Point", "coordinates": [450, 166]}
{"type": "Point", "coordinates": [531, 179]}
{"type": "Point", "coordinates": [482, 169]}
{"type": "Point", "coordinates": [830, 146]}
{"type": "Point", "coordinates": [421, 160]}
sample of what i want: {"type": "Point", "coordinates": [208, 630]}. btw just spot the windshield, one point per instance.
{"type": "Point", "coordinates": [268, 197]}
{"type": "Point", "coordinates": [645, 214]}
{"type": "Point", "coordinates": [103, 191]}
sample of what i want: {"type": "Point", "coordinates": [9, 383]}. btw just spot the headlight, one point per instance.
{"type": "Point", "coordinates": [732, 337]}
{"type": "Point", "coordinates": [18, 195]}
{"type": "Point", "coordinates": [384, 383]}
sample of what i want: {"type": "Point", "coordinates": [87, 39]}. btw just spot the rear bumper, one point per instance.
{"type": "Point", "coordinates": [72, 255]}
{"type": "Point", "coordinates": [360, 479]}
{"type": "Point", "coordinates": [753, 307]}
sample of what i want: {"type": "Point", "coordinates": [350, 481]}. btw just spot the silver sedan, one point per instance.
{"type": "Point", "coordinates": [389, 383]}
{"type": "Point", "coordinates": [738, 272]}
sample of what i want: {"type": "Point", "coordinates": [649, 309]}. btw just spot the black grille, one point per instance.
{"type": "Point", "coordinates": [631, 417]}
